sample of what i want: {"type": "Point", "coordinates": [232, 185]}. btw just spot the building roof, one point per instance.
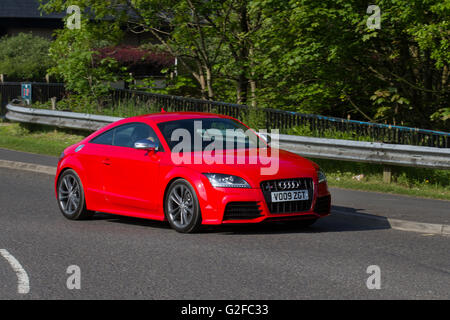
{"type": "Point", "coordinates": [24, 9]}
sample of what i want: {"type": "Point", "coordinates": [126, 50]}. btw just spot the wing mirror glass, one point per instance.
{"type": "Point", "coordinates": [146, 144]}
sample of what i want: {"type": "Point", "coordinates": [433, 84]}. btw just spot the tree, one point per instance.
{"type": "Point", "coordinates": [77, 61]}
{"type": "Point", "coordinates": [302, 55]}
{"type": "Point", "coordinates": [24, 57]}
{"type": "Point", "coordinates": [211, 39]}
{"type": "Point", "coordinates": [320, 57]}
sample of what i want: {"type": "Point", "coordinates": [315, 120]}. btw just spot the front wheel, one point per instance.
{"type": "Point", "coordinates": [181, 207]}
{"type": "Point", "coordinates": [71, 198]}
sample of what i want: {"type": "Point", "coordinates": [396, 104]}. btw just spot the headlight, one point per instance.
{"type": "Point", "coordinates": [321, 176]}
{"type": "Point", "coordinates": [62, 155]}
{"type": "Point", "coordinates": [219, 180]}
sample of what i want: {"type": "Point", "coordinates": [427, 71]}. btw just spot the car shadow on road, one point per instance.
{"type": "Point", "coordinates": [100, 216]}
{"type": "Point", "coordinates": [342, 219]}
{"type": "Point", "coordinates": [336, 222]}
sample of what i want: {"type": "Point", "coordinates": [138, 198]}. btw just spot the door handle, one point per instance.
{"type": "Point", "coordinates": [106, 162]}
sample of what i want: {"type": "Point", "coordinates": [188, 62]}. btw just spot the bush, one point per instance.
{"type": "Point", "coordinates": [254, 117]}
{"type": "Point", "coordinates": [76, 61]}
{"type": "Point", "coordinates": [24, 57]}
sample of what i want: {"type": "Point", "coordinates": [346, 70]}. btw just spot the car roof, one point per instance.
{"type": "Point", "coordinates": [155, 118]}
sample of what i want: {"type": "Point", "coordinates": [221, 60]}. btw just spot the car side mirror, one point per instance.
{"type": "Point", "coordinates": [145, 144]}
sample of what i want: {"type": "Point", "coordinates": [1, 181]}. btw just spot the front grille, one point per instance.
{"type": "Point", "coordinates": [242, 210]}
{"type": "Point", "coordinates": [323, 205]}
{"type": "Point", "coordinates": [270, 186]}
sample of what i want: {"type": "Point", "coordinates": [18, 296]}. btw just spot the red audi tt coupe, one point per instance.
{"type": "Point", "coordinates": [190, 169]}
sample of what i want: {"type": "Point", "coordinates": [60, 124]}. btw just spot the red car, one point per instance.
{"type": "Point", "coordinates": [190, 169]}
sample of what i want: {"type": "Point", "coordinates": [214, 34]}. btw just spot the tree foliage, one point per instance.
{"type": "Point", "coordinates": [76, 59]}
{"type": "Point", "coordinates": [24, 57]}
{"type": "Point", "coordinates": [302, 55]}
{"type": "Point", "coordinates": [319, 56]}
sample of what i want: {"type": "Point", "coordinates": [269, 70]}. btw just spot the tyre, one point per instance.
{"type": "Point", "coordinates": [181, 207]}
{"type": "Point", "coordinates": [71, 200]}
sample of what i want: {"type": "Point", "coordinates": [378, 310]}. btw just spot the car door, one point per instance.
{"type": "Point", "coordinates": [130, 175]}
{"type": "Point", "coordinates": [91, 155]}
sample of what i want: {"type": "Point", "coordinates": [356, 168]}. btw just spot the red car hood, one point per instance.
{"type": "Point", "coordinates": [255, 169]}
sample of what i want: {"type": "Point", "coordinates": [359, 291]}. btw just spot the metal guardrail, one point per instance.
{"type": "Point", "coordinates": [61, 119]}
{"type": "Point", "coordinates": [371, 152]}
{"type": "Point", "coordinates": [347, 150]}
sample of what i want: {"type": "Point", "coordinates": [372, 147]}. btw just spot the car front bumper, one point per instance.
{"type": "Point", "coordinates": [215, 211]}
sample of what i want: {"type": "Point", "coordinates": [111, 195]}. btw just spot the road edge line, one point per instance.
{"type": "Point", "coordinates": [397, 224]}
{"type": "Point", "coordinates": [28, 167]}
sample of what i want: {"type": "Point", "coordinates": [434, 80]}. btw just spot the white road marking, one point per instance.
{"type": "Point", "coordinates": [23, 282]}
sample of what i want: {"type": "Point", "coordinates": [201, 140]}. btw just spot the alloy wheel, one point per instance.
{"type": "Point", "coordinates": [69, 194]}
{"type": "Point", "coordinates": [180, 206]}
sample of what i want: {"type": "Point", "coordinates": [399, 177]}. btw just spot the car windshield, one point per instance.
{"type": "Point", "coordinates": [208, 133]}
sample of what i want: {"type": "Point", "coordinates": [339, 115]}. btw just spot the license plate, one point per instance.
{"type": "Point", "coordinates": [296, 195]}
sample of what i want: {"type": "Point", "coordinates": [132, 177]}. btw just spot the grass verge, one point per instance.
{"type": "Point", "coordinates": [416, 182]}
{"type": "Point", "coordinates": [37, 139]}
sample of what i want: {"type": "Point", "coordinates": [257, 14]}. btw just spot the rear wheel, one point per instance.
{"type": "Point", "coordinates": [71, 198]}
{"type": "Point", "coordinates": [181, 207]}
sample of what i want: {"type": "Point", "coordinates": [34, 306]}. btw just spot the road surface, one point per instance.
{"type": "Point", "coordinates": [125, 258]}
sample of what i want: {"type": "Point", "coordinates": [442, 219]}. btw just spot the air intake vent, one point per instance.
{"type": "Point", "coordinates": [242, 210]}
{"type": "Point", "coordinates": [323, 205]}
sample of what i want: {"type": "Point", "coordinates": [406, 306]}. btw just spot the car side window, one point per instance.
{"type": "Point", "coordinates": [105, 138]}
{"type": "Point", "coordinates": [126, 135]}
{"type": "Point", "coordinates": [142, 131]}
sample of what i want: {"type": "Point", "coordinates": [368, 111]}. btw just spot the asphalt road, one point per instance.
{"type": "Point", "coordinates": [392, 206]}
{"type": "Point", "coordinates": [137, 259]}
{"type": "Point", "coordinates": [27, 157]}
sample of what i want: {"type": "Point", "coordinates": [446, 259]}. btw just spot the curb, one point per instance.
{"type": "Point", "coordinates": [373, 220]}
{"type": "Point", "coordinates": [28, 167]}
{"type": "Point", "coordinates": [403, 225]}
